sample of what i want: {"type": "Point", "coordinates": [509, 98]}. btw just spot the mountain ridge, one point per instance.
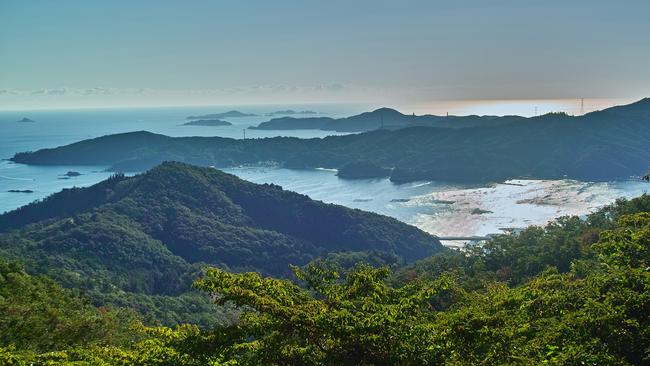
{"type": "Point", "coordinates": [599, 146]}
{"type": "Point", "coordinates": [382, 118]}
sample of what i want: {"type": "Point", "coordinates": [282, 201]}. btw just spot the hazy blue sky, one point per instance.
{"type": "Point", "coordinates": [78, 53]}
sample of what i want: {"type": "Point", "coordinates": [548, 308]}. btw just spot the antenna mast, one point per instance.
{"type": "Point", "coordinates": [582, 106]}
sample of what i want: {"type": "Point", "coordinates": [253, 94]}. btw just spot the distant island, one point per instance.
{"type": "Point", "coordinates": [207, 122]}
{"type": "Point", "coordinates": [25, 120]}
{"type": "Point", "coordinates": [229, 114]}
{"type": "Point", "coordinates": [289, 112]}
{"type": "Point", "coordinates": [599, 146]}
{"type": "Point", "coordinates": [20, 191]}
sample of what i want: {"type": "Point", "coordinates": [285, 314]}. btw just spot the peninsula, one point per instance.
{"type": "Point", "coordinates": [599, 146]}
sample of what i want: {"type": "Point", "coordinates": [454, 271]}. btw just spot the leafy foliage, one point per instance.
{"type": "Point", "coordinates": [595, 311]}
{"type": "Point", "coordinates": [575, 292]}
{"type": "Point", "coordinates": [38, 315]}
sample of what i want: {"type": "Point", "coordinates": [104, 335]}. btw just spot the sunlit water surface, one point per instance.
{"type": "Point", "coordinates": [440, 208]}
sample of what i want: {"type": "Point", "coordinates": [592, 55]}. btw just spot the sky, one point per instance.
{"type": "Point", "coordinates": [68, 53]}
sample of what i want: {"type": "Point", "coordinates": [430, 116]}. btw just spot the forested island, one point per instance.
{"type": "Point", "coordinates": [599, 146]}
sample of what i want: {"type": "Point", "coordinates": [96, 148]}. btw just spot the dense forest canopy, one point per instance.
{"type": "Point", "coordinates": [140, 241]}
{"type": "Point", "coordinates": [604, 145]}
{"type": "Point", "coordinates": [572, 293]}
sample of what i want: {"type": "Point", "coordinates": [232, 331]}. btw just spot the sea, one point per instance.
{"type": "Point", "coordinates": [445, 209]}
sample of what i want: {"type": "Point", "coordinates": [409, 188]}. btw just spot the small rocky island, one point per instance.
{"type": "Point", "coordinates": [207, 122]}
{"type": "Point", "coordinates": [479, 211]}
{"type": "Point", "coordinates": [25, 120]}
{"type": "Point", "coordinates": [20, 191]}
{"type": "Point", "coordinates": [362, 170]}
{"type": "Point", "coordinates": [71, 174]}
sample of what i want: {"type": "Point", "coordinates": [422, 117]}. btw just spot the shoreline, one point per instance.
{"type": "Point", "coordinates": [516, 204]}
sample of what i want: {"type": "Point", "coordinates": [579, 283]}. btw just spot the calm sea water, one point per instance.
{"type": "Point", "coordinates": [437, 207]}
{"type": "Point", "coordinates": [59, 127]}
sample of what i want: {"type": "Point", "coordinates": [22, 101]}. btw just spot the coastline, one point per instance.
{"type": "Point", "coordinates": [516, 204]}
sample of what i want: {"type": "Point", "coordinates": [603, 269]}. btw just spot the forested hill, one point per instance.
{"type": "Point", "coordinates": [385, 118]}
{"type": "Point", "coordinates": [150, 233]}
{"type": "Point", "coordinates": [391, 119]}
{"type": "Point", "coordinates": [575, 292]}
{"type": "Point", "coordinates": [605, 145]}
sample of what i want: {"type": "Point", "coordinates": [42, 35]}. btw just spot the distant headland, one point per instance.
{"type": "Point", "coordinates": [610, 144]}
{"type": "Point", "coordinates": [382, 118]}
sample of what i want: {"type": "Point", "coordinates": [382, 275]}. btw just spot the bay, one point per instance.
{"type": "Point", "coordinates": [441, 208]}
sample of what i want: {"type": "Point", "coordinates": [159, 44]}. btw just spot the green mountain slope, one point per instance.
{"type": "Point", "coordinates": [38, 315]}
{"type": "Point", "coordinates": [574, 292]}
{"type": "Point", "coordinates": [152, 233]}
